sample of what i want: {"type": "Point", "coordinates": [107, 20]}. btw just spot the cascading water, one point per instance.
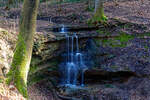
{"type": "Point", "coordinates": [74, 64]}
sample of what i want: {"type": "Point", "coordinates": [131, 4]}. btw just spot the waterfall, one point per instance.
{"type": "Point", "coordinates": [62, 29]}
{"type": "Point", "coordinates": [74, 64]}
{"type": "Point", "coordinates": [77, 44]}
{"type": "Point", "coordinates": [72, 47]}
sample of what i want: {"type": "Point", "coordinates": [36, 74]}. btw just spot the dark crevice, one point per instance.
{"type": "Point", "coordinates": [103, 77]}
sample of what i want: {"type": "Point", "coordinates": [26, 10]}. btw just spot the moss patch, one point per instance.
{"type": "Point", "coordinates": [17, 70]}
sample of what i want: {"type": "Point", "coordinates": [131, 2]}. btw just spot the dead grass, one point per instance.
{"type": "Point", "coordinates": [9, 93]}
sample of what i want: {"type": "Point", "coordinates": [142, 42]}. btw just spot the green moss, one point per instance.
{"type": "Point", "coordinates": [114, 67]}
{"type": "Point", "coordinates": [18, 70]}
{"type": "Point", "coordinates": [146, 47]}
{"type": "Point", "coordinates": [36, 78]}
{"type": "Point", "coordinates": [33, 69]}
{"type": "Point", "coordinates": [17, 58]}
{"type": "Point", "coordinates": [1, 80]}
{"type": "Point", "coordinates": [127, 26]}
{"type": "Point", "coordinates": [36, 73]}
{"type": "Point", "coordinates": [103, 31]}
{"type": "Point", "coordinates": [143, 35]}
{"type": "Point", "coordinates": [51, 66]}
{"type": "Point", "coordinates": [21, 85]}
{"type": "Point", "coordinates": [99, 16]}
{"type": "Point", "coordinates": [34, 65]}
{"type": "Point", "coordinates": [5, 32]}
{"type": "Point", "coordinates": [118, 41]}
{"type": "Point", "coordinates": [35, 60]}
{"type": "Point", "coordinates": [109, 42]}
{"type": "Point", "coordinates": [124, 37]}
{"type": "Point", "coordinates": [109, 86]}
{"type": "Point", "coordinates": [96, 20]}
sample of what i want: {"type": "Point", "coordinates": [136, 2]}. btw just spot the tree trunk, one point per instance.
{"type": "Point", "coordinates": [89, 3]}
{"type": "Point", "coordinates": [99, 13]}
{"type": "Point", "coordinates": [22, 56]}
{"type": "Point", "coordinates": [99, 10]}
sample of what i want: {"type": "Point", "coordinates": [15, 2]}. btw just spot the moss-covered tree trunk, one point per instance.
{"type": "Point", "coordinates": [21, 60]}
{"type": "Point", "coordinates": [99, 15]}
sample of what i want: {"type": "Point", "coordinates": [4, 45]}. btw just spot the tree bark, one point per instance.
{"type": "Point", "coordinates": [99, 10]}
{"type": "Point", "coordinates": [99, 15]}
{"type": "Point", "coordinates": [21, 60]}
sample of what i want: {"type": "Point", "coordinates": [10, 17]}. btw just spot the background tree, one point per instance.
{"type": "Point", "coordinates": [99, 15]}
{"type": "Point", "coordinates": [21, 60]}
{"type": "Point", "coordinates": [9, 2]}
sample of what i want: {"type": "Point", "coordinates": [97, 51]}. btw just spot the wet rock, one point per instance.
{"type": "Point", "coordinates": [134, 57]}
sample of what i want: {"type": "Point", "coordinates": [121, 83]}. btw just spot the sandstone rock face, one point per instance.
{"type": "Point", "coordinates": [134, 57]}
{"type": "Point", "coordinates": [47, 51]}
{"type": "Point", "coordinates": [7, 44]}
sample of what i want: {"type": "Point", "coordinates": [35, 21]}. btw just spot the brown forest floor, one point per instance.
{"type": "Point", "coordinates": [136, 11]}
{"type": "Point", "coordinates": [76, 13]}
